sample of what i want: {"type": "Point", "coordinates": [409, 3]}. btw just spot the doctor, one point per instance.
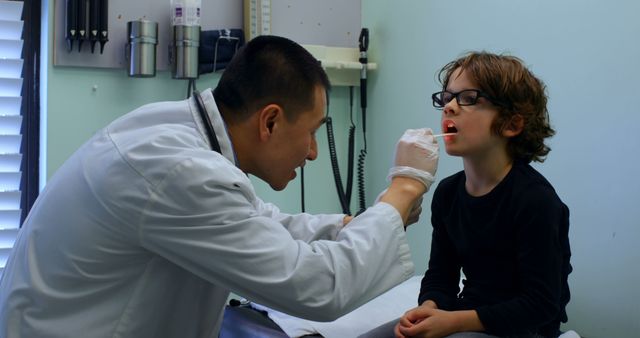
{"type": "Point", "coordinates": [148, 226]}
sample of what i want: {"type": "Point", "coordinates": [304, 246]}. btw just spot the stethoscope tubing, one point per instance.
{"type": "Point", "coordinates": [208, 126]}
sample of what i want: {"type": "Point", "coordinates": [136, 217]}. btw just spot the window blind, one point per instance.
{"type": "Point", "coordinates": [11, 70]}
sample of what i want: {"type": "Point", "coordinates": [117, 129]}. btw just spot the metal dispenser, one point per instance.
{"type": "Point", "coordinates": [141, 48]}
{"type": "Point", "coordinates": [183, 51]}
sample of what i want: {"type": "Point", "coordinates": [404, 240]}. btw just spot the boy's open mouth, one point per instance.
{"type": "Point", "coordinates": [449, 127]}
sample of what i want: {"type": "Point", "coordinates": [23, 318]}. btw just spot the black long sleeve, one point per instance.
{"type": "Point", "coordinates": [512, 246]}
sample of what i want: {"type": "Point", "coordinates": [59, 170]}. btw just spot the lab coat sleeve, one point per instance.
{"type": "Point", "coordinates": [303, 226]}
{"type": "Point", "coordinates": [209, 225]}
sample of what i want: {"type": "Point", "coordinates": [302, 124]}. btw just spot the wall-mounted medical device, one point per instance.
{"type": "Point", "coordinates": [217, 48]}
{"type": "Point", "coordinates": [183, 50]}
{"type": "Point", "coordinates": [140, 50]}
{"type": "Point", "coordinates": [86, 20]}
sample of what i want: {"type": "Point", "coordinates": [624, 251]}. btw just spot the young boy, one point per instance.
{"type": "Point", "coordinates": [499, 220]}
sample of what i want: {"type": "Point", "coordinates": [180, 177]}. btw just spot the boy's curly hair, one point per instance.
{"type": "Point", "coordinates": [508, 80]}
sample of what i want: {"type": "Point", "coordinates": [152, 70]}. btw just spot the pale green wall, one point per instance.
{"type": "Point", "coordinates": [80, 101]}
{"type": "Point", "coordinates": [587, 52]}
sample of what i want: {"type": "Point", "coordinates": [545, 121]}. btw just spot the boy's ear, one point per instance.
{"type": "Point", "coordinates": [514, 126]}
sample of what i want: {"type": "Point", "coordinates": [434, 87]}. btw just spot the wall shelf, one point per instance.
{"type": "Point", "coordinates": [340, 63]}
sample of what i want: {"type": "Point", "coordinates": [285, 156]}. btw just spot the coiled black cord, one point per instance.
{"type": "Point", "coordinates": [344, 197]}
{"type": "Point", "coordinates": [352, 131]}
{"type": "Point", "coordinates": [361, 161]}
{"type": "Point", "coordinates": [335, 167]}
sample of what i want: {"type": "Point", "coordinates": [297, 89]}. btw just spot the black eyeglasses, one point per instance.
{"type": "Point", "coordinates": [467, 97]}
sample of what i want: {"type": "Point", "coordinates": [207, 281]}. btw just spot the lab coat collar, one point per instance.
{"type": "Point", "coordinates": [219, 126]}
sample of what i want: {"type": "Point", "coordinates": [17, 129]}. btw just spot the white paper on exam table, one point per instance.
{"type": "Point", "coordinates": [382, 309]}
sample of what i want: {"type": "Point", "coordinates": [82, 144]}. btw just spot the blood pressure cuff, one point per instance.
{"type": "Point", "coordinates": [217, 48]}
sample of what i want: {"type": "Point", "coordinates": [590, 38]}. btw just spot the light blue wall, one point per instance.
{"type": "Point", "coordinates": [588, 54]}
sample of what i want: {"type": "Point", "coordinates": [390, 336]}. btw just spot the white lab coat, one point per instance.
{"type": "Point", "coordinates": [145, 230]}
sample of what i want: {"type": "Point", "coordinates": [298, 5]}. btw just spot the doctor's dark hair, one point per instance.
{"type": "Point", "coordinates": [506, 79]}
{"type": "Point", "coordinates": [270, 70]}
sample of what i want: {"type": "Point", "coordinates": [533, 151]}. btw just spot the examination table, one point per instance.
{"type": "Point", "coordinates": [378, 315]}
{"type": "Point", "coordinates": [374, 319]}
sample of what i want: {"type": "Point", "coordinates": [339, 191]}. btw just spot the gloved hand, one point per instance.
{"type": "Point", "coordinates": [416, 156]}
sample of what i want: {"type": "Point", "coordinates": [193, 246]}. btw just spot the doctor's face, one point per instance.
{"type": "Point", "coordinates": [295, 143]}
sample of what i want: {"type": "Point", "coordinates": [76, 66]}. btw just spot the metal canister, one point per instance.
{"type": "Point", "coordinates": [184, 52]}
{"type": "Point", "coordinates": [141, 48]}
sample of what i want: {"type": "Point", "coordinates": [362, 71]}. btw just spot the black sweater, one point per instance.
{"type": "Point", "coordinates": [512, 245]}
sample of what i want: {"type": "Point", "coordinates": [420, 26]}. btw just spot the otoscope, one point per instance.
{"type": "Point", "coordinates": [71, 29]}
{"type": "Point", "coordinates": [94, 22]}
{"type": "Point", "coordinates": [83, 29]}
{"type": "Point", "coordinates": [364, 45]}
{"type": "Point", "coordinates": [103, 36]}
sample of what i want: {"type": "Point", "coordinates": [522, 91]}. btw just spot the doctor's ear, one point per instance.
{"type": "Point", "coordinates": [268, 118]}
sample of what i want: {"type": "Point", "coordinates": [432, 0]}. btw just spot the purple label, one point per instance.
{"type": "Point", "coordinates": [179, 11]}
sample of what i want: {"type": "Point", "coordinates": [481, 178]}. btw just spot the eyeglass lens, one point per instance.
{"type": "Point", "coordinates": [463, 98]}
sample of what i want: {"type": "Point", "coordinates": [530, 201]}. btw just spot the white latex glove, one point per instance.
{"type": "Point", "coordinates": [416, 156]}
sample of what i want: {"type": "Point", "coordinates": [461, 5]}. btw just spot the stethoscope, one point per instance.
{"type": "Point", "coordinates": [211, 134]}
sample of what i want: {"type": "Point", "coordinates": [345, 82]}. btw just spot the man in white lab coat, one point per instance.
{"type": "Point", "coordinates": [148, 226]}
